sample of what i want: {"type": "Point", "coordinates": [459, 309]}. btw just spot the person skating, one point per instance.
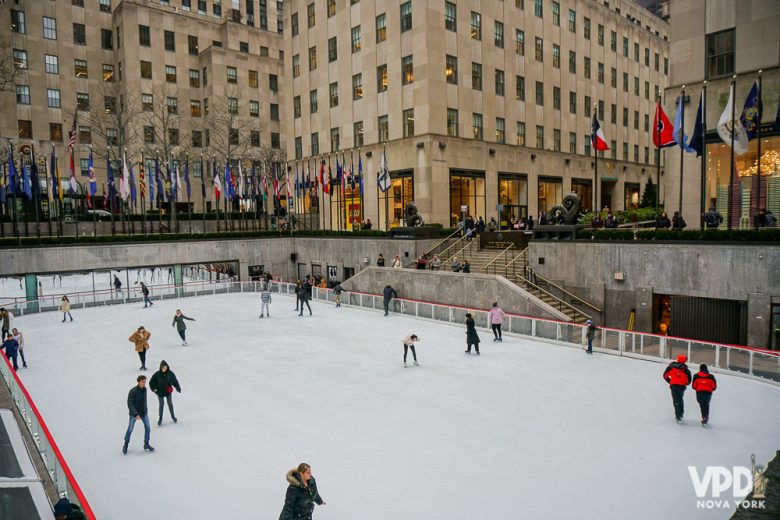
{"type": "Point", "coordinates": [117, 285]}
{"type": "Point", "coordinates": [140, 338]}
{"type": "Point", "coordinates": [301, 494]}
{"type": "Point", "coordinates": [181, 327]}
{"type": "Point", "coordinates": [11, 348]}
{"type": "Point", "coordinates": [136, 407]}
{"type": "Point", "coordinates": [472, 338]}
{"type": "Point", "coordinates": [20, 340]}
{"type": "Point", "coordinates": [145, 292]}
{"type": "Point", "coordinates": [679, 377]}
{"type": "Point", "coordinates": [297, 294]}
{"type": "Point", "coordinates": [337, 294]}
{"type": "Point", "coordinates": [162, 384]}
{"type": "Point", "coordinates": [704, 383]}
{"type": "Point", "coordinates": [590, 335]}
{"type": "Point", "coordinates": [496, 316]}
{"type": "Point", "coordinates": [265, 301]}
{"type": "Point", "coordinates": [388, 293]}
{"type": "Point", "coordinates": [304, 293]}
{"type": "Point", "coordinates": [5, 317]}
{"type": "Point", "coordinates": [65, 309]}
{"type": "Point", "coordinates": [409, 342]}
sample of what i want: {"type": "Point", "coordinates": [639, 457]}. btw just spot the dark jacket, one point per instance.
{"type": "Point", "coordinates": [299, 500]}
{"type": "Point", "coordinates": [64, 509]}
{"type": "Point", "coordinates": [11, 346]}
{"type": "Point", "coordinates": [678, 222]}
{"type": "Point", "coordinates": [471, 332]}
{"type": "Point", "coordinates": [179, 322]}
{"type": "Point", "coordinates": [713, 218]}
{"type": "Point", "coordinates": [704, 382]}
{"type": "Point", "coordinates": [161, 382]}
{"type": "Point", "coordinates": [144, 290]}
{"type": "Point", "coordinates": [304, 292]}
{"type": "Point", "coordinates": [389, 293]}
{"type": "Point", "coordinates": [380, 262]}
{"type": "Point", "coordinates": [677, 374]}
{"type": "Point", "coordinates": [117, 283]}
{"type": "Point", "coordinates": [465, 268]}
{"type": "Point", "coordinates": [338, 289]}
{"type": "Point", "coordinates": [136, 401]}
{"type": "Point", "coordinates": [591, 334]}
{"type": "Point", "coordinates": [663, 222]}
{"type": "Point", "coordinates": [611, 222]}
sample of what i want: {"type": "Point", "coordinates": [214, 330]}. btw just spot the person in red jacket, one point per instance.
{"type": "Point", "coordinates": [679, 377]}
{"type": "Point", "coordinates": [704, 383]}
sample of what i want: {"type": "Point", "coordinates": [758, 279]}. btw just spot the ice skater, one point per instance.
{"type": "Point", "coordinates": [140, 338]}
{"type": "Point", "coordinates": [301, 494]}
{"type": "Point", "coordinates": [496, 316]}
{"type": "Point", "coordinates": [590, 335]}
{"type": "Point", "coordinates": [5, 317]}
{"type": "Point", "coordinates": [265, 301]}
{"type": "Point", "coordinates": [117, 286]}
{"type": "Point", "coordinates": [136, 407]}
{"type": "Point", "coordinates": [304, 294]}
{"type": "Point", "coordinates": [11, 348]}
{"type": "Point", "coordinates": [409, 342]}
{"type": "Point", "coordinates": [679, 377]}
{"type": "Point", "coordinates": [472, 338]}
{"type": "Point", "coordinates": [337, 294]}
{"type": "Point", "coordinates": [162, 384]}
{"type": "Point", "coordinates": [704, 383]}
{"type": "Point", "coordinates": [16, 333]}
{"type": "Point", "coordinates": [297, 294]}
{"type": "Point", "coordinates": [181, 327]}
{"type": "Point", "coordinates": [65, 309]}
{"type": "Point", "coordinates": [388, 293]}
{"type": "Point", "coordinates": [145, 292]}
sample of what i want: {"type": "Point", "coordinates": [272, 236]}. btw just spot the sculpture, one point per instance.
{"type": "Point", "coordinates": [567, 213]}
{"type": "Point", "coordinates": [411, 216]}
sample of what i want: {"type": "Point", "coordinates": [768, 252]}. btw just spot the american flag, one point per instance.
{"type": "Point", "coordinates": [72, 135]}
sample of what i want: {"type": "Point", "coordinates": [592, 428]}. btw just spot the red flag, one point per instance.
{"type": "Point", "coordinates": [322, 173]}
{"type": "Point", "coordinates": [663, 131]}
{"type": "Point", "coordinates": [326, 182]}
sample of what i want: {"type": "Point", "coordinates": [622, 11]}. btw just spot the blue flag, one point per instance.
{"type": "Point", "coordinates": [751, 113]}
{"type": "Point", "coordinates": [187, 178]}
{"type": "Point", "coordinates": [160, 185]}
{"type": "Point", "coordinates": [697, 139]}
{"type": "Point", "coordinates": [679, 131]}
{"type": "Point", "coordinates": [53, 172]}
{"type": "Point", "coordinates": [11, 173]}
{"type": "Point", "coordinates": [297, 188]}
{"type": "Point", "coordinates": [34, 178]}
{"type": "Point", "coordinates": [228, 182]}
{"type": "Point", "coordinates": [26, 186]}
{"type": "Point", "coordinates": [92, 178]}
{"type": "Point", "coordinates": [360, 173]}
{"type": "Point", "coordinates": [132, 185]}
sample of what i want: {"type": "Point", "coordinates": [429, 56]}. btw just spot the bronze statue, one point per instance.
{"type": "Point", "coordinates": [411, 216]}
{"type": "Point", "coordinates": [568, 213]}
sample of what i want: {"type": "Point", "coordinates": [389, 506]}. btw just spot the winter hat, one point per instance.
{"type": "Point", "coordinates": [703, 368]}
{"type": "Point", "coordinates": [62, 507]}
{"type": "Point", "coordinates": [682, 358]}
{"type": "Point", "coordinates": [589, 322]}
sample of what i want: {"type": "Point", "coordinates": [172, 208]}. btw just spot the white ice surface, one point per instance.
{"type": "Point", "coordinates": [526, 430]}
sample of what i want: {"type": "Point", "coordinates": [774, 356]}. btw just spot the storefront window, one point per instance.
{"type": "Point", "coordinates": [550, 193]}
{"type": "Point", "coordinates": [466, 189]}
{"type": "Point", "coordinates": [393, 202]}
{"type": "Point", "coordinates": [583, 188]}
{"type": "Point", "coordinates": [632, 195]}
{"type": "Point", "coordinates": [513, 196]}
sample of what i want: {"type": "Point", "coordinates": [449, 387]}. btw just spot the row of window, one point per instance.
{"type": "Point", "coordinates": [381, 20]}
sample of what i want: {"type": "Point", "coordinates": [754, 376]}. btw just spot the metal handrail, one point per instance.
{"type": "Point", "coordinates": [510, 246]}
{"type": "Point", "coordinates": [567, 292]}
{"type": "Point", "coordinates": [560, 301]}
{"type": "Point", "coordinates": [469, 245]}
{"type": "Point", "coordinates": [523, 253]}
{"type": "Point", "coordinates": [451, 246]}
{"type": "Point", "coordinates": [431, 250]}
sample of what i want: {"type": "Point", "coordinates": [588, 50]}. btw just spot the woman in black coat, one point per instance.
{"type": "Point", "coordinates": [471, 334]}
{"type": "Point", "coordinates": [162, 384]}
{"type": "Point", "coordinates": [301, 494]}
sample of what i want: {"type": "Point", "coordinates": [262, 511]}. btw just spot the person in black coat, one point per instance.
{"type": "Point", "coordinates": [663, 221]}
{"type": "Point", "coordinates": [471, 334]}
{"type": "Point", "coordinates": [136, 407]}
{"type": "Point", "coordinates": [304, 295]}
{"type": "Point", "coordinates": [64, 510]}
{"type": "Point", "coordinates": [162, 383]}
{"type": "Point", "coordinates": [145, 292]}
{"type": "Point", "coordinates": [380, 262]}
{"type": "Point", "coordinates": [301, 494]}
{"type": "Point", "coordinates": [388, 294]}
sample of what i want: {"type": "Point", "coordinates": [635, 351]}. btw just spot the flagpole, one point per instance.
{"type": "Point", "coordinates": [733, 129]}
{"type": "Point", "coordinates": [37, 192]}
{"type": "Point", "coordinates": [144, 180]}
{"type": "Point", "coordinates": [703, 197]}
{"type": "Point", "coordinates": [596, 168]}
{"type": "Point", "coordinates": [21, 170]}
{"type": "Point", "coordinates": [759, 207]}
{"type": "Point", "coordinates": [682, 142]}
{"type": "Point", "coordinates": [12, 184]}
{"type": "Point", "coordinates": [658, 157]}
{"type": "Point", "coordinates": [121, 195]}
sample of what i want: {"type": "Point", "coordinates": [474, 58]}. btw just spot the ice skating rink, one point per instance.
{"type": "Point", "coordinates": [526, 430]}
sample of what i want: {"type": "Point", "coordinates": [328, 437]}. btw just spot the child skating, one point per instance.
{"type": "Point", "coordinates": [409, 342]}
{"type": "Point", "coordinates": [265, 301]}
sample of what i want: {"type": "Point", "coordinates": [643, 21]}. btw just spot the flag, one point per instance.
{"type": "Point", "coordinates": [217, 183]}
{"type": "Point", "coordinates": [679, 131]}
{"type": "Point", "coordinates": [160, 185]}
{"type": "Point", "coordinates": [328, 182]}
{"type": "Point", "coordinates": [360, 173]}
{"type": "Point", "coordinates": [727, 126]}
{"type": "Point", "coordinates": [141, 178]}
{"type": "Point", "coordinates": [752, 112]}
{"type": "Point", "coordinates": [55, 187]}
{"type": "Point", "coordinates": [151, 185]}
{"type": "Point", "coordinates": [132, 185]}
{"type": "Point", "coordinates": [352, 172]}
{"type": "Point", "coordinates": [3, 193]}
{"type": "Point", "coordinates": [92, 178]}
{"type": "Point", "coordinates": [59, 179]}
{"type": "Point", "coordinates": [265, 182]}
{"type": "Point", "coordinates": [240, 185]}
{"type": "Point", "coordinates": [297, 182]}
{"type": "Point", "coordinates": [26, 186]}
{"type": "Point", "coordinates": [663, 132]}
{"type": "Point", "coordinates": [289, 185]}
{"type": "Point", "coordinates": [383, 179]}
{"type": "Point", "coordinates": [72, 133]}
{"type": "Point", "coordinates": [697, 139]}
{"type": "Point", "coordinates": [229, 190]}
{"type": "Point", "coordinates": [340, 175]}
{"type": "Point", "coordinates": [187, 177]}
{"type": "Point", "coordinates": [124, 182]}
{"type": "Point", "coordinates": [110, 177]}
{"type": "Point", "coordinates": [597, 139]}
{"type": "Point", "coordinates": [777, 119]}
{"type": "Point", "coordinates": [34, 178]}
{"type": "Point", "coordinates": [276, 184]}
{"type": "Point", "coordinates": [73, 184]}
{"type": "Point", "coordinates": [177, 193]}
{"type": "Point", "coordinates": [203, 179]}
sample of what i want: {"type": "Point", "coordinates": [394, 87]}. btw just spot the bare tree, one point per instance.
{"type": "Point", "coordinates": [10, 69]}
{"type": "Point", "coordinates": [163, 128]}
{"type": "Point", "coordinates": [114, 120]}
{"type": "Point", "coordinates": [230, 135]}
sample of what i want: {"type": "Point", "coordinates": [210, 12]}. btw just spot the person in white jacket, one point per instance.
{"type": "Point", "coordinates": [397, 262]}
{"type": "Point", "coordinates": [19, 339]}
{"type": "Point", "coordinates": [409, 342]}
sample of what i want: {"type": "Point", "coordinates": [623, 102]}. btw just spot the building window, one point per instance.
{"type": "Point", "coordinates": [636, 86]}
{"type": "Point", "coordinates": [333, 53]}
{"type": "Point", "coordinates": [335, 140]}
{"type": "Point", "coordinates": [520, 42]}
{"type": "Point", "coordinates": [600, 34]}
{"type": "Point", "coordinates": [572, 102]}
{"type": "Point", "coordinates": [192, 45]}
{"type": "Point", "coordinates": [50, 28]}
{"type": "Point", "coordinates": [476, 76]}
{"type": "Point", "coordinates": [357, 132]}
{"type": "Point", "coordinates": [625, 151]}
{"type": "Point", "coordinates": [274, 111]}
{"type": "Point", "coordinates": [243, 47]}
{"type": "Point", "coordinates": [407, 70]}
{"type": "Point", "coordinates": [498, 34]}
{"type": "Point", "coordinates": [313, 102]}
{"type": "Point", "coordinates": [52, 64]}
{"type": "Point", "coordinates": [572, 62]}
{"type": "Point", "coordinates": [383, 128]}
{"type": "Point", "coordinates": [108, 73]}
{"type": "Point", "coordinates": [315, 143]}
{"type": "Point", "coordinates": [450, 16]}
{"type": "Point", "coordinates": [613, 41]}
{"type": "Point", "coordinates": [25, 129]}
{"type": "Point", "coordinates": [556, 140]}
{"type": "Point", "coordinates": [499, 82]}
{"type": "Point", "coordinates": [406, 16]}
{"type": "Point", "coordinates": [539, 93]}
{"type": "Point", "coordinates": [613, 77]}
{"type": "Point", "coordinates": [331, 9]}
{"type": "Point", "coordinates": [381, 78]}
{"type": "Point", "coordinates": [170, 74]}
{"type": "Point", "coordinates": [273, 83]}
{"type": "Point", "coordinates": [520, 88]}
{"type": "Point", "coordinates": [572, 142]}
{"type": "Point", "coordinates": [540, 137]}
{"type": "Point", "coordinates": [647, 90]}
{"type": "Point", "coordinates": [720, 54]}
{"type": "Point", "coordinates": [647, 56]}
{"type": "Point", "coordinates": [17, 22]}
{"type": "Point", "coordinates": [296, 107]}
{"type": "Point", "coordinates": [656, 58]}
{"type": "Point", "coordinates": [298, 147]}
{"type": "Point", "coordinates": [538, 49]}
{"type": "Point", "coordinates": [82, 101]}
{"type": "Point", "coordinates": [195, 108]}
{"type": "Point", "coordinates": [381, 28]}
{"type": "Point", "coordinates": [294, 24]}
{"type": "Point", "coordinates": [310, 15]}
{"type": "Point", "coordinates": [556, 98]}
{"type": "Point", "coordinates": [313, 58]}
{"type": "Point", "coordinates": [476, 126]}
{"type": "Point", "coordinates": [408, 120]}
{"type": "Point", "coordinates": [572, 21]}
{"type": "Point", "coordinates": [194, 78]}
{"type": "Point", "coordinates": [296, 66]}
{"type": "Point", "coordinates": [586, 67]}
{"type": "Point", "coordinates": [232, 75]}
{"type": "Point", "coordinates": [107, 39]}
{"type": "Point", "coordinates": [147, 102]}
{"type": "Point", "coordinates": [636, 52]}
{"type": "Point", "coordinates": [625, 47]}
{"type": "Point", "coordinates": [333, 89]}
{"type": "Point", "coordinates": [556, 13]}
{"type": "Point", "coordinates": [452, 122]}
{"type": "Point", "coordinates": [451, 69]}
{"type": "Point", "coordinates": [357, 86]}
{"type": "Point", "coordinates": [172, 105]}
{"type": "Point", "coordinates": [20, 58]}
{"type": "Point", "coordinates": [476, 26]}
{"type": "Point", "coordinates": [586, 140]}
{"type": "Point", "coordinates": [109, 104]}
{"type": "Point", "coordinates": [625, 117]}
{"type": "Point", "coordinates": [538, 8]}
{"type": "Point", "coordinates": [646, 125]}
{"type": "Point", "coordinates": [500, 130]}
{"type": "Point", "coordinates": [520, 137]}
{"type": "Point", "coordinates": [556, 53]}
{"type": "Point", "coordinates": [588, 107]}
{"type": "Point", "coordinates": [197, 139]}
{"type": "Point", "coordinates": [22, 94]}
{"type": "Point", "coordinates": [254, 107]}
{"type": "Point", "coordinates": [253, 79]}
{"type": "Point", "coordinates": [144, 36]}
{"type": "Point", "coordinates": [601, 73]}
{"type": "Point", "coordinates": [625, 81]}
{"type": "Point", "coordinates": [356, 46]}
{"type": "Point", "coordinates": [233, 136]}
{"type": "Point", "coordinates": [85, 134]}
{"type": "Point", "coordinates": [613, 119]}
{"type": "Point", "coordinates": [205, 72]}
{"type": "Point", "coordinates": [232, 105]}
{"type": "Point", "coordinates": [586, 28]}
{"type": "Point", "coordinates": [169, 38]}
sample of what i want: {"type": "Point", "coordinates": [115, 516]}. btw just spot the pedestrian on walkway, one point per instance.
{"type": "Point", "coordinates": [472, 338]}
{"type": "Point", "coordinates": [162, 384]}
{"type": "Point", "coordinates": [496, 316]}
{"type": "Point", "coordinates": [145, 292]}
{"type": "Point", "coordinates": [181, 327]}
{"type": "Point", "coordinates": [301, 494]}
{"type": "Point", "coordinates": [704, 383]}
{"type": "Point", "coordinates": [140, 338]}
{"type": "Point", "coordinates": [16, 333]}
{"type": "Point", "coordinates": [679, 377]}
{"type": "Point", "coordinates": [136, 407]}
{"type": "Point", "coordinates": [65, 308]}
